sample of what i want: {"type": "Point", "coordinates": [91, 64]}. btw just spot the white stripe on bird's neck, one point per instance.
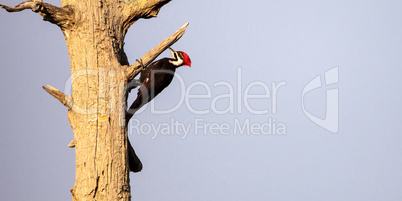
{"type": "Point", "coordinates": [178, 61]}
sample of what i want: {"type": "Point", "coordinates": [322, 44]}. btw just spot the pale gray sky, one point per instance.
{"type": "Point", "coordinates": [266, 44]}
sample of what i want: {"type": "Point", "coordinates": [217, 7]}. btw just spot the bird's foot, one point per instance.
{"type": "Point", "coordinates": [142, 64]}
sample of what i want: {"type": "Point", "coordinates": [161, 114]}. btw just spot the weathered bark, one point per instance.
{"type": "Point", "coordinates": [94, 31]}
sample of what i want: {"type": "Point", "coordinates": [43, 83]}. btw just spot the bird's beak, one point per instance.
{"type": "Point", "coordinates": [173, 53]}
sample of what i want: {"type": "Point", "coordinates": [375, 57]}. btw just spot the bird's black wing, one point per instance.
{"type": "Point", "coordinates": [147, 71]}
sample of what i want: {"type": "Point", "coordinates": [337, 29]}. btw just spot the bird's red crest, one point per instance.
{"type": "Point", "coordinates": [186, 59]}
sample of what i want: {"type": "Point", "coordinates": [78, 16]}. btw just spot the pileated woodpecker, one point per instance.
{"type": "Point", "coordinates": [156, 77]}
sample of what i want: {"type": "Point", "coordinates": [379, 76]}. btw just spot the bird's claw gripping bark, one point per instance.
{"type": "Point", "coordinates": [142, 64]}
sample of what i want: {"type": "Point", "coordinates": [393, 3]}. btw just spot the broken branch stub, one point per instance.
{"type": "Point", "coordinates": [66, 100]}
{"type": "Point", "coordinates": [63, 17]}
{"type": "Point", "coordinates": [136, 68]}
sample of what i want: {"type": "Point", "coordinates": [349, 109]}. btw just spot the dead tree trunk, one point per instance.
{"type": "Point", "coordinates": [94, 31]}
